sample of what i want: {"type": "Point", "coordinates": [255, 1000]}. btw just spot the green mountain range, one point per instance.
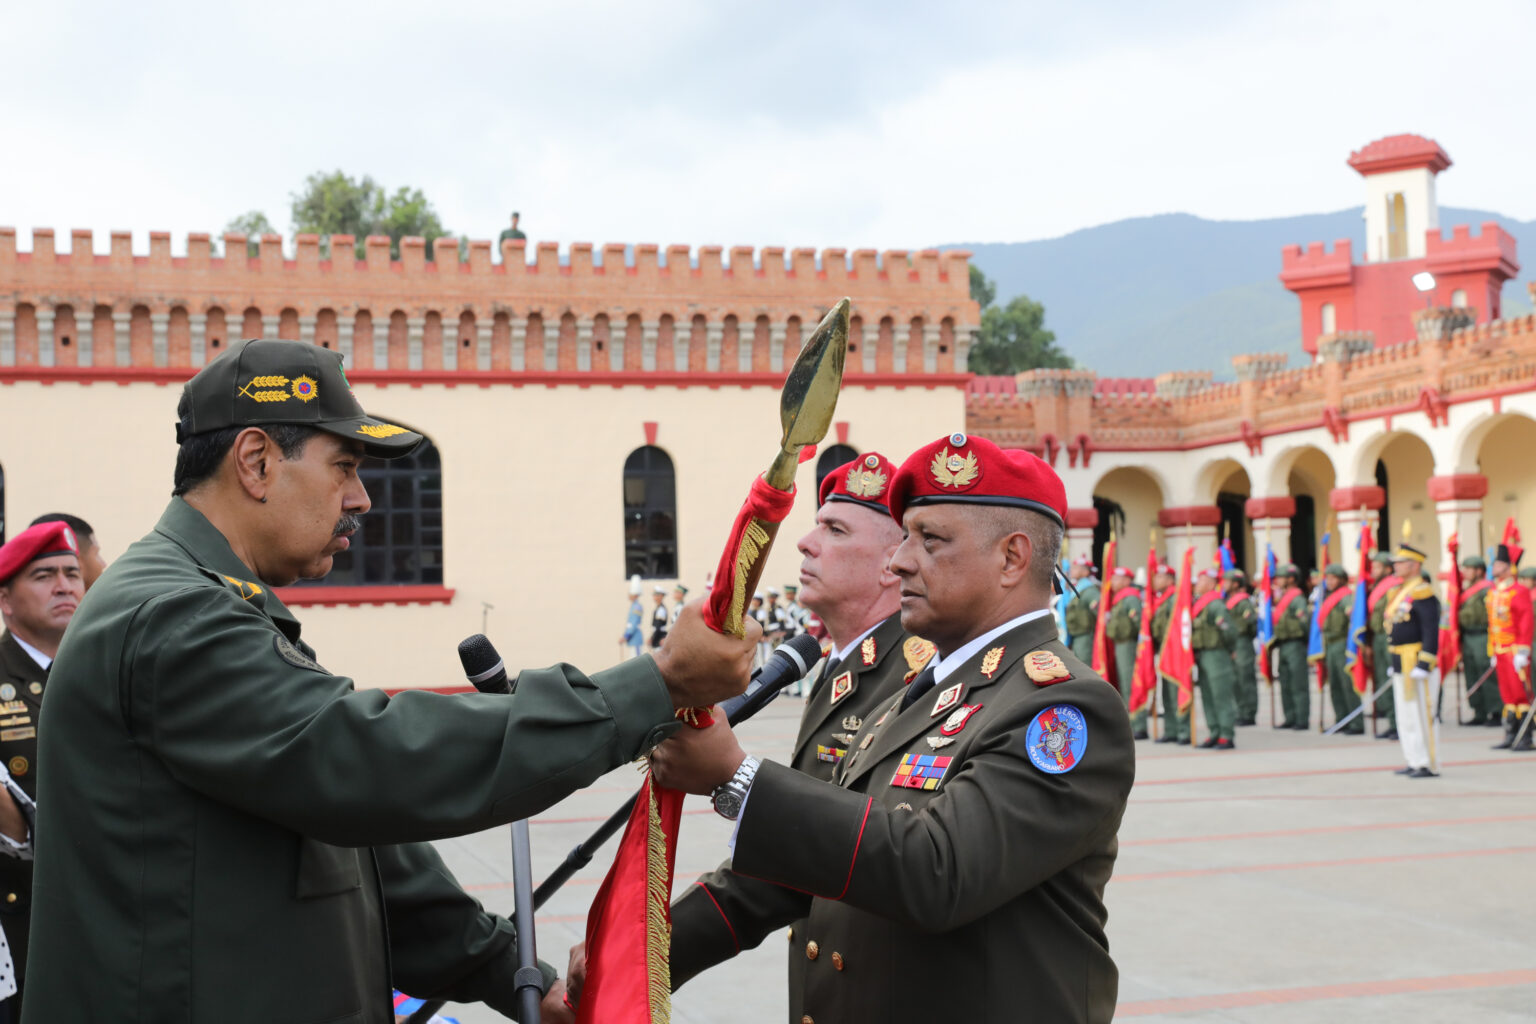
{"type": "Point", "coordinates": [1177, 292]}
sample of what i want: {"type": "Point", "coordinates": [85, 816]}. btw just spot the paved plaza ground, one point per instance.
{"type": "Point", "coordinates": [1293, 879]}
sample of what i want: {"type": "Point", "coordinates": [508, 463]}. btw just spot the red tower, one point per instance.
{"type": "Point", "coordinates": [1403, 238]}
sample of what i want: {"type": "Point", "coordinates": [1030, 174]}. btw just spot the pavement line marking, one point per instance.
{"type": "Point", "coordinates": [1244, 869]}
{"type": "Point", "coordinates": [1417, 794]}
{"type": "Point", "coordinates": [1318, 993]}
{"type": "Point", "coordinates": [1327, 830]}
{"type": "Point", "coordinates": [1318, 771]}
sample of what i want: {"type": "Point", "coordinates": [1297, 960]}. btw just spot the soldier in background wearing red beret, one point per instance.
{"type": "Point", "coordinates": [956, 865]}
{"type": "Point", "coordinates": [40, 588]}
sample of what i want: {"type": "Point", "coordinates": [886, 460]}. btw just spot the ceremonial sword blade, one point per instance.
{"type": "Point", "coordinates": [809, 399]}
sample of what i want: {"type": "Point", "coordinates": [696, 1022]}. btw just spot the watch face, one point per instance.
{"type": "Point", "coordinates": [728, 803]}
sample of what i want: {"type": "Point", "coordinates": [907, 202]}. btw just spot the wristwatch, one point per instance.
{"type": "Point", "coordinates": [729, 797]}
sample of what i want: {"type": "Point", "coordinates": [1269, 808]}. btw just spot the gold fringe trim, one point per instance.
{"type": "Point", "coordinates": [658, 930]}
{"type": "Point", "coordinates": [753, 539]}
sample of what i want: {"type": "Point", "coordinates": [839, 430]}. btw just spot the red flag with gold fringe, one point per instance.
{"type": "Point", "coordinates": [1176, 662]}
{"type": "Point", "coordinates": [629, 928]}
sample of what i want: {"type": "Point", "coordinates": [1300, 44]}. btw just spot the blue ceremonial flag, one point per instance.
{"type": "Point", "coordinates": [1227, 565]}
{"type": "Point", "coordinates": [1315, 636]}
{"type": "Point", "coordinates": [1267, 597]}
{"type": "Point", "coordinates": [1358, 616]}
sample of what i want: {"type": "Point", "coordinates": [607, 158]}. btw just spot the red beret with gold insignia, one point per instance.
{"type": "Point", "coordinates": [33, 543]}
{"type": "Point", "coordinates": [974, 471]}
{"type": "Point", "coordinates": [864, 481]}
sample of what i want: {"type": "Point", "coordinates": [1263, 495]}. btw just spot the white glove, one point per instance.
{"type": "Point", "coordinates": [1522, 659]}
{"type": "Point", "coordinates": [1419, 673]}
{"type": "Point", "coordinates": [1258, 648]}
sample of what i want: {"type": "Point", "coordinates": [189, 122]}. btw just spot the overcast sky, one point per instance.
{"type": "Point", "coordinates": [698, 121]}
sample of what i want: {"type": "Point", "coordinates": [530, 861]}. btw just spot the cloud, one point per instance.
{"type": "Point", "coordinates": [793, 124]}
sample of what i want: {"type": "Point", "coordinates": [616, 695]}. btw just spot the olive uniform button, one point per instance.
{"type": "Point", "coordinates": [812, 951]}
{"type": "Point", "coordinates": [791, 935]}
{"type": "Point", "coordinates": [837, 960]}
{"type": "Point", "coordinates": [10, 897]}
{"type": "Point", "coordinates": [806, 1019]}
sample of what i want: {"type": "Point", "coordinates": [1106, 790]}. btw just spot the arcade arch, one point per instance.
{"type": "Point", "coordinates": [1128, 500]}
{"type": "Point", "coordinates": [1502, 453]}
{"type": "Point", "coordinates": [1309, 478]}
{"type": "Point", "coordinates": [1401, 464]}
{"type": "Point", "coordinates": [1226, 485]}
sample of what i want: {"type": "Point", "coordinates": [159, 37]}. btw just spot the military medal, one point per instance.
{"type": "Point", "coordinates": [938, 742]}
{"type": "Point", "coordinates": [7, 692]}
{"type": "Point", "coordinates": [842, 686]}
{"type": "Point", "coordinates": [843, 737]}
{"type": "Point", "coordinates": [955, 722]}
{"type": "Point", "coordinates": [948, 699]}
{"type": "Point", "coordinates": [35, 687]}
{"type": "Point", "coordinates": [852, 723]}
{"type": "Point", "coordinates": [1045, 667]}
{"type": "Point", "coordinates": [991, 660]}
{"type": "Point", "coordinates": [867, 651]}
{"type": "Point", "coordinates": [920, 771]}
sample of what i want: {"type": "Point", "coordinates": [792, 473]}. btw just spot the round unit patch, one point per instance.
{"type": "Point", "coordinates": [7, 691]}
{"type": "Point", "coordinates": [1057, 739]}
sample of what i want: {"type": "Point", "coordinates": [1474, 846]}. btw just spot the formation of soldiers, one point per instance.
{"type": "Point", "coordinates": [1401, 635]}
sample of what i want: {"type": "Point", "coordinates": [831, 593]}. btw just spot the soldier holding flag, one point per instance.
{"type": "Point", "coordinates": [1212, 637]}
{"type": "Point", "coordinates": [1472, 622]}
{"type": "Point", "coordinates": [1245, 619]}
{"type": "Point", "coordinates": [1333, 615]}
{"type": "Point", "coordinates": [1291, 633]}
{"type": "Point", "coordinates": [1121, 628]}
{"type": "Point", "coordinates": [1175, 720]}
{"type": "Point", "coordinates": [1509, 640]}
{"type": "Point", "coordinates": [1383, 582]}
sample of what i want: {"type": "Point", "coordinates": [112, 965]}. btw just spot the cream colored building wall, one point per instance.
{"type": "Point", "coordinates": [532, 506]}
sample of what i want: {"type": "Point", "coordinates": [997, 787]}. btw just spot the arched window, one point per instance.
{"type": "Point", "coordinates": [401, 542]}
{"type": "Point", "coordinates": [1459, 298]}
{"type": "Point", "coordinates": [650, 515]}
{"type": "Point", "coordinates": [1330, 319]}
{"type": "Point", "coordinates": [827, 461]}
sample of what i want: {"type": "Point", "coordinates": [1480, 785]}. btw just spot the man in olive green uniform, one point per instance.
{"type": "Point", "coordinates": [1082, 613]}
{"type": "Point", "coordinates": [1383, 582]}
{"type": "Point", "coordinates": [1292, 626]}
{"type": "Point", "coordinates": [1245, 619]}
{"type": "Point", "coordinates": [1122, 628]}
{"type": "Point", "coordinates": [1175, 722]}
{"type": "Point", "coordinates": [41, 584]}
{"type": "Point", "coordinates": [848, 585]}
{"type": "Point", "coordinates": [1338, 605]}
{"type": "Point", "coordinates": [228, 831]}
{"type": "Point", "coordinates": [956, 868]}
{"type": "Point", "coordinates": [1472, 620]}
{"type": "Point", "coordinates": [1213, 636]}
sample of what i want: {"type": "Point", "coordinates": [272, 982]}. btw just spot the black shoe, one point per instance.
{"type": "Point", "coordinates": [1509, 741]}
{"type": "Point", "coordinates": [1423, 773]}
{"type": "Point", "coordinates": [1225, 744]}
{"type": "Point", "coordinates": [1493, 720]}
{"type": "Point", "coordinates": [1390, 734]}
{"type": "Point", "coordinates": [1139, 734]}
{"type": "Point", "coordinates": [1209, 743]}
{"type": "Point", "coordinates": [1247, 721]}
{"type": "Point", "coordinates": [1166, 739]}
{"type": "Point", "coordinates": [1301, 726]}
{"type": "Point", "coordinates": [1285, 725]}
{"type": "Point", "coordinates": [1403, 771]}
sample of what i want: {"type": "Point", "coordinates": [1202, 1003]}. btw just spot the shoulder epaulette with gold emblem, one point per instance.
{"type": "Point", "coordinates": [1045, 668]}
{"type": "Point", "coordinates": [245, 588]}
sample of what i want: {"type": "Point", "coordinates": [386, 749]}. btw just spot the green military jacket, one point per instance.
{"type": "Point", "coordinates": [968, 897]}
{"type": "Point", "coordinates": [1472, 616]}
{"type": "Point", "coordinates": [1161, 614]}
{"type": "Point", "coordinates": [1124, 621]}
{"type": "Point", "coordinates": [712, 918]}
{"type": "Point", "coordinates": [1295, 621]}
{"type": "Point", "coordinates": [1212, 627]}
{"type": "Point", "coordinates": [1082, 614]}
{"type": "Point", "coordinates": [227, 831]}
{"type": "Point", "coordinates": [1336, 625]}
{"type": "Point", "coordinates": [1375, 613]}
{"type": "Point", "coordinates": [1245, 617]}
{"type": "Point", "coordinates": [22, 685]}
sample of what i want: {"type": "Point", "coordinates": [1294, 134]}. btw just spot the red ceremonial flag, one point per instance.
{"type": "Point", "coordinates": [1146, 671]}
{"type": "Point", "coordinates": [1176, 663]}
{"type": "Point", "coordinates": [629, 928]}
{"type": "Point", "coordinates": [1450, 634]}
{"type": "Point", "coordinates": [1360, 672]}
{"type": "Point", "coordinates": [1103, 657]}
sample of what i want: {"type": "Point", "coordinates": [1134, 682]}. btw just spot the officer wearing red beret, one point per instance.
{"type": "Point", "coordinates": [957, 864]}
{"type": "Point", "coordinates": [40, 588]}
{"type": "Point", "coordinates": [848, 584]}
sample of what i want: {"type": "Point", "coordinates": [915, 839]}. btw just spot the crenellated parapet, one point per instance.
{"type": "Point", "coordinates": [612, 308]}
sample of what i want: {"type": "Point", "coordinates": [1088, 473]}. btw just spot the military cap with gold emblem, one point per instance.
{"type": "Point", "coordinates": [969, 470]}
{"type": "Point", "coordinates": [864, 481]}
{"type": "Point", "coordinates": [264, 381]}
{"type": "Point", "coordinates": [34, 544]}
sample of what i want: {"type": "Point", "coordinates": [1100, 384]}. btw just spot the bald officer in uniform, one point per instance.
{"type": "Point", "coordinates": [229, 831]}
{"type": "Point", "coordinates": [41, 584]}
{"type": "Point", "coordinates": [848, 584]}
{"type": "Point", "coordinates": [956, 869]}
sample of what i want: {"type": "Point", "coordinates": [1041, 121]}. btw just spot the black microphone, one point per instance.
{"type": "Point", "coordinates": [789, 663]}
{"type": "Point", "coordinates": [484, 667]}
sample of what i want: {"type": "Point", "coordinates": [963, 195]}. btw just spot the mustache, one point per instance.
{"type": "Point", "coordinates": [347, 524]}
